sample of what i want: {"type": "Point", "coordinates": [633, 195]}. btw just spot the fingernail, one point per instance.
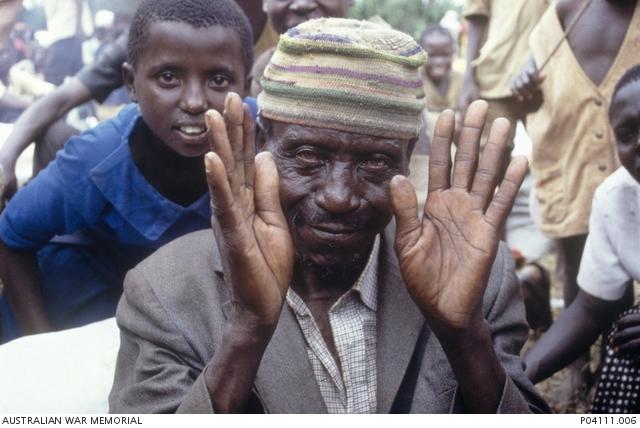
{"type": "Point", "coordinates": [208, 162]}
{"type": "Point", "coordinates": [212, 114]}
{"type": "Point", "coordinates": [229, 99]}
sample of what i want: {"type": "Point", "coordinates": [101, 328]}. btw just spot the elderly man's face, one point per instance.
{"type": "Point", "coordinates": [334, 190]}
{"type": "Point", "coordinates": [286, 14]}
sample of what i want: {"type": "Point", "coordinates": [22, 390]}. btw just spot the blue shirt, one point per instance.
{"type": "Point", "coordinates": [91, 216]}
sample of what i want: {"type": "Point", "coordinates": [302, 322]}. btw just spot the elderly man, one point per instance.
{"type": "Point", "coordinates": [307, 298]}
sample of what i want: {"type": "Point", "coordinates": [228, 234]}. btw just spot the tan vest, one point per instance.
{"type": "Point", "coordinates": [505, 50]}
{"type": "Point", "coordinates": [573, 144]}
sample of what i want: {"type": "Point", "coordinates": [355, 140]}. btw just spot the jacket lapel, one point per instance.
{"type": "Point", "coordinates": [399, 324]}
{"type": "Point", "coordinates": [285, 382]}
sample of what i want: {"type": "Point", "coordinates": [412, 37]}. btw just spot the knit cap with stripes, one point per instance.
{"type": "Point", "coordinates": [348, 75]}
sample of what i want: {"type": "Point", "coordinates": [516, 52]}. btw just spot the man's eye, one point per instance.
{"type": "Point", "coordinates": [308, 157]}
{"type": "Point", "coordinates": [375, 164]}
{"type": "Point", "coordinates": [219, 81]}
{"type": "Point", "coordinates": [167, 78]}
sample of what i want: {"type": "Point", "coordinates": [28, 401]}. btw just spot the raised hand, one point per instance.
{"type": "Point", "coordinates": [626, 339]}
{"type": "Point", "coordinates": [446, 257]}
{"type": "Point", "coordinates": [526, 86]}
{"type": "Point", "coordinates": [250, 228]}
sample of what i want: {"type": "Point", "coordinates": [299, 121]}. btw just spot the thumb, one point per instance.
{"type": "Point", "coordinates": [267, 193]}
{"type": "Point", "coordinates": [405, 207]}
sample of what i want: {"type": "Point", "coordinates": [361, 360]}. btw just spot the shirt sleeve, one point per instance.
{"type": "Point", "coordinates": [60, 200]}
{"type": "Point", "coordinates": [105, 75]}
{"type": "Point", "coordinates": [477, 7]}
{"type": "Point", "coordinates": [601, 273]}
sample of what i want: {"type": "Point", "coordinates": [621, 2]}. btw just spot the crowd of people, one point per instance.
{"type": "Point", "coordinates": [297, 212]}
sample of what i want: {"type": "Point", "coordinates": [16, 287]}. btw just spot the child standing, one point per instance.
{"type": "Point", "coordinates": [442, 86]}
{"type": "Point", "coordinates": [118, 192]}
{"type": "Point", "coordinates": [609, 264]}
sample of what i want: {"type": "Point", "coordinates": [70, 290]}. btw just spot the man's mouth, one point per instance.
{"type": "Point", "coordinates": [334, 230]}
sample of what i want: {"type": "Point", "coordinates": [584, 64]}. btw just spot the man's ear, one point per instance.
{"type": "Point", "coordinates": [261, 136]}
{"type": "Point", "coordinates": [410, 146]}
{"type": "Point", "coordinates": [128, 78]}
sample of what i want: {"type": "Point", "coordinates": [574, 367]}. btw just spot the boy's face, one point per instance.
{"type": "Point", "coordinates": [625, 120]}
{"type": "Point", "coordinates": [183, 71]}
{"type": "Point", "coordinates": [286, 14]}
{"type": "Point", "coordinates": [439, 50]}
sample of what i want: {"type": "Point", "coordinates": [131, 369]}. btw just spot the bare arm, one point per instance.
{"type": "Point", "coordinates": [20, 276]}
{"type": "Point", "coordinates": [14, 101]}
{"type": "Point", "coordinates": [477, 28]}
{"type": "Point", "coordinates": [34, 121]}
{"type": "Point", "coordinates": [571, 334]}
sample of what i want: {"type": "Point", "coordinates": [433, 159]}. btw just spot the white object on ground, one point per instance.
{"type": "Point", "coordinates": [68, 371]}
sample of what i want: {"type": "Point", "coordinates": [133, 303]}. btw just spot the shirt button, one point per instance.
{"type": "Point", "coordinates": [599, 135]}
{"type": "Point", "coordinates": [598, 102]}
{"type": "Point", "coordinates": [602, 167]}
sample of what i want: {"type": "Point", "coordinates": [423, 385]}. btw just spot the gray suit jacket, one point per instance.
{"type": "Point", "coordinates": [174, 304]}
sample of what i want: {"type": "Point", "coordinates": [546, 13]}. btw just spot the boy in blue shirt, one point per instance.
{"type": "Point", "coordinates": [118, 192]}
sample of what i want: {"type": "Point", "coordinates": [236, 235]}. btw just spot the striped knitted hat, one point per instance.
{"type": "Point", "coordinates": [348, 75]}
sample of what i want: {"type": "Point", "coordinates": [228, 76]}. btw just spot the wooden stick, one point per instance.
{"type": "Point", "coordinates": [581, 12]}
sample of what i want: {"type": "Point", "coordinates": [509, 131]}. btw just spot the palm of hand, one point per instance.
{"type": "Point", "coordinates": [446, 257]}
{"type": "Point", "coordinates": [451, 256]}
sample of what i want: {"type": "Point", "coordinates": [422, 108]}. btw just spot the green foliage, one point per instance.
{"type": "Point", "coordinates": [410, 16]}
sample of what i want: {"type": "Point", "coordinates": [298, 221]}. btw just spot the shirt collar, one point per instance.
{"type": "Point", "coordinates": [122, 184]}
{"type": "Point", "coordinates": [367, 283]}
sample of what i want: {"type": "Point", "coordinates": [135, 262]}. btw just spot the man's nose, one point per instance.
{"type": "Point", "coordinates": [338, 193]}
{"type": "Point", "coordinates": [194, 100]}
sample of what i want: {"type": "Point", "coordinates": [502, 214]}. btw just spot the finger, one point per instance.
{"type": "Point", "coordinates": [489, 169]}
{"type": "Point", "coordinates": [222, 201]}
{"type": "Point", "coordinates": [500, 206]}
{"type": "Point", "coordinates": [630, 347]}
{"type": "Point", "coordinates": [515, 88]}
{"type": "Point", "coordinates": [234, 121]}
{"type": "Point", "coordinates": [466, 159]}
{"type": "Point", "coordinates": [219, 142]}
{"type": "Point", "coordinates": [248, 147]}
{"type": "Point", "coordinates": [440, 158]}
{"type": "Point", "coordinates": [626, 335]}
{"type": "Point", "coordinates": [267, 194]}
{"type": "Point", "coordinates": [628, 321]}
{"type": "Point", "coordinates": [405, 207]}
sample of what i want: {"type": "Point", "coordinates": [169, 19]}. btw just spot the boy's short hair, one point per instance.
{"type": "Point", "coordinates": [197, 13]}
{"type": "Point", "coordinates": [630, 76]}
{"type": "Point", "coordinates": [436, 29]}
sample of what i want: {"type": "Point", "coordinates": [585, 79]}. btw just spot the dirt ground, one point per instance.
{"type": "Point", "coordinates": [563, 391]}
